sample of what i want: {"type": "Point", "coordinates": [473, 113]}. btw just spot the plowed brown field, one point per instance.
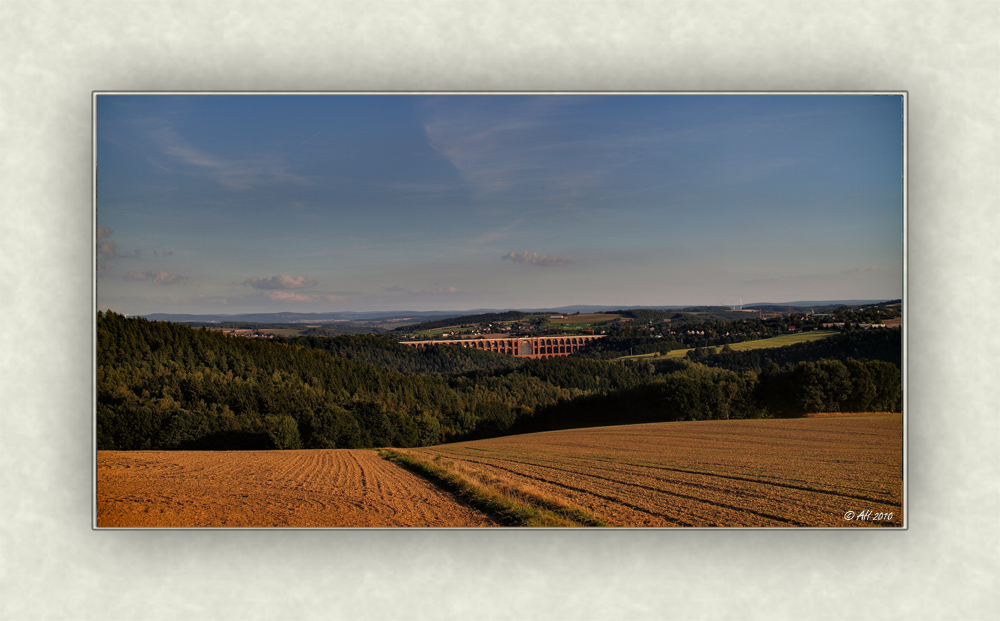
{"type": "Point", "coordinates": [269, 488]}
{"type": "Point", "coordinates": [799, 472]}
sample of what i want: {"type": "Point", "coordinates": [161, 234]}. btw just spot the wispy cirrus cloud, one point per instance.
{"type": "Point", "coordinates": [553, 148]}
{"type": "Point", "coordinates": [516, 142]}
{"type": "Point", "coordinates": [240, 173]}
{"type": "Point", "coordinates": [547, 147]}
{"type": "Point", "coordinates": [533, 258]}
{"type": "Point", "coordinates": [282, 281]}
{"type": "Point", "coordinates": [157, 277]}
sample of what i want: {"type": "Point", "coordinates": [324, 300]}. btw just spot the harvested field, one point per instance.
{"type": "Point", "coordinates": [268, 488]}
{"type": "Point", "coordinates": [795, 472]}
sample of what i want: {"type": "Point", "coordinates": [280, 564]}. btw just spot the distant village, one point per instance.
{"type": "Point", "coordinates": [247, 333]}
{"type": "Point", "coordinates": [539, 325]}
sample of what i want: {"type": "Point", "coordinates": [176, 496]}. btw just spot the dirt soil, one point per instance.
{"type": "Point", "coordinates": [318, 488]}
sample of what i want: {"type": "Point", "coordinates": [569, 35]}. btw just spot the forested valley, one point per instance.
{"type": "Point", "coordinates": [163, 385]}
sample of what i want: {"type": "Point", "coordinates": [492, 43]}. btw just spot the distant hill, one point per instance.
{"type": "Point", "coordinates": [299, 318]}
{"type": "Point", "coordinates": [437, 315]}
{"type": "Point", "coordinates": [813, 305]}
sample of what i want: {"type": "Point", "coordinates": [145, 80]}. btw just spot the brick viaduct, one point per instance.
{"type": "Point", "coordinates": [533, 347]}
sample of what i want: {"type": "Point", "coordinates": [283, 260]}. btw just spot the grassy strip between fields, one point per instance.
{"type": "Point", "coordinates": [768, 343]}
{"type": "Point", "coordinates": [506, 503]}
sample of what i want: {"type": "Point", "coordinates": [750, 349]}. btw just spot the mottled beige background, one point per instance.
{"type": "Point", "coordinates": [945, 53]}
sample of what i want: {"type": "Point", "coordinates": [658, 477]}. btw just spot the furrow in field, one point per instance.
{"type": "Point", "coordinates": [794, 504]}
{"type": "Point", "coordinates": [806, 471]}
{"type": "Point", "coordinates": [787, 506]}
{"type": "Point", "coordinates": [604, 464]}
{"type": "Point", "coordinates": [707, 473]}
{"type": "Point", "coordinates": [269, 488]}
{"type": "Point", "coordinates": [763, 481]}
{"type": "Point", "coordinates": [606, 506]}
{"type": "Point", "coordinates": [663, 502]}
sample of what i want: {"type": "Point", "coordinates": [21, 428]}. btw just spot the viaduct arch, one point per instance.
{"type": "Point", "coordinates": [528, 347]}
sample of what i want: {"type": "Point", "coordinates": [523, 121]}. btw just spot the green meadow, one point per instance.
{"type": "Point", "coordinates": [777, 341]}
{"type": "Point", "coordinates": [578, 322]}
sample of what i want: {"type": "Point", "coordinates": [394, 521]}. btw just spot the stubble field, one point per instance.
{"type": "Point", "coordinates": [797, 472]}
{"type": "Point", "coordinates": [320, 488]}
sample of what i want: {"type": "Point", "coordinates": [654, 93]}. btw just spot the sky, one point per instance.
{"type": "Point", "coordinates": [333, 202]}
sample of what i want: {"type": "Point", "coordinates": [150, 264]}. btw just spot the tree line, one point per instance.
{"type": "Point", "coordinates": [884, 344]}
{"type": "Point", "coordinates": [164, 386]}
{"type": "Point", "coordinates": [664, 338]}
{"type": "Point", "coordinates": [167, 386]}
{"type": "Point", "coordinates": [695, 392]}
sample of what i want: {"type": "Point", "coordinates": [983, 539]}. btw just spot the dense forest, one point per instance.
{"type": "Point", "coordinates": [877, 344]}
{"type": "Point", "coordinates": [167, 386]}
{"type": "Point", "coordinates": [389, 354]}
{"type": "Point", "coordinates": [163, 385]}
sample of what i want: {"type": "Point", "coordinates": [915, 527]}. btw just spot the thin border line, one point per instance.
{"type": "Point", "coordinates": [905, 275]}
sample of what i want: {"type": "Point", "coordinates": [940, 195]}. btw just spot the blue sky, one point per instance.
{"type": "Point", "coordinates": [315, 203]}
